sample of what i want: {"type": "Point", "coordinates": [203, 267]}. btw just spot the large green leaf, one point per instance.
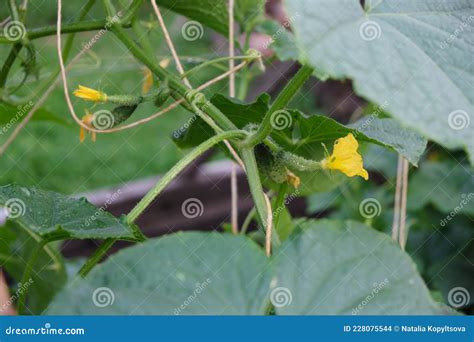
{"type": "Point", "coordinates": [48, 276]}
{"type": "Point", "coordinates": [345, 267]}
{"type": "Point", "coordinates": [185, 273]}
{"type": "Point", "coordinates": [412, 56]}
{"type": "Point", "coordinates": [55, 216]}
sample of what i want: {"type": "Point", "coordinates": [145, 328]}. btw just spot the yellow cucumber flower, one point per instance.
{"type": "Point", "coordinates": [90, 94]}
{"type": "Point", "coordinates": [345, 158]}
{"type": "Point", "coordinates": [87, 120]}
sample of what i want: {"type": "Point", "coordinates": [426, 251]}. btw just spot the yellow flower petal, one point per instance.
{"type": "Point", "coordinates": [90, 94]}
{"type": "Point", "coordinates": [87, 120]}
{"type": "Point", "coordinates": [345, 158]}
{"type": "Point", "coordinates": [147, 81]}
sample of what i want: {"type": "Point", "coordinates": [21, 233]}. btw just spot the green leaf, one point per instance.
{"type": "Point", "coordinates": [447, 185]}
{"type": "Point", "coordinates": [11, 115]}
{"type": "Point", "coordinates": [55, 216]}
{"type": "Point", "coordinates": [185, 273]}
{"type": "Point", "coordinates": [211, 13]}
{"type": "Point", "coordinates": [48, 275]}
{"type": "Point", "coordinates": [344, 268]}
{"type": "Point", "coordinates": [411, 56]}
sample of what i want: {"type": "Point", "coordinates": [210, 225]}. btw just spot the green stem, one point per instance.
{"type": "Point", "coordinates": [8, 64]}
{"type": "Point", "coordinates": [280, 102]}
{"type": "Point", "coordinates": [171, 174]}
{"type": "Point", "coordinates": [132, 12]}
{"type": "Point", "coordinates": [26, 276]}
{"type": "Point", "coordinates": [247, 221]}
{"type": "Point", "coordinates": [96, 257]}
{"type": "Point", "coordinates": [13, 10]}
{"type": "Point", "coordinates": [40, 32]}
{"type": "Point", "coordinates": [256, 189]}
{"type": "Point", "coordinates": [212, 62]}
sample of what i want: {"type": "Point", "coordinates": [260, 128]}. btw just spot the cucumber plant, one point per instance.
{"type": "Point", "coordinates": [410, 59]}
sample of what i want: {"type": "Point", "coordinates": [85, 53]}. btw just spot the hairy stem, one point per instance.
{"type": "Point", "coordinates": [175, 170]}
{"type": "Point", "coordinates": [256, 189]}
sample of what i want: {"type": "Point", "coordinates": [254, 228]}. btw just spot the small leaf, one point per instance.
{"type": "Point", "coordinates": [185, 273]}
{"type": "Point", "coordinates": [344, 268]}
{"type": "Point", "coordinates": [55, 216]}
